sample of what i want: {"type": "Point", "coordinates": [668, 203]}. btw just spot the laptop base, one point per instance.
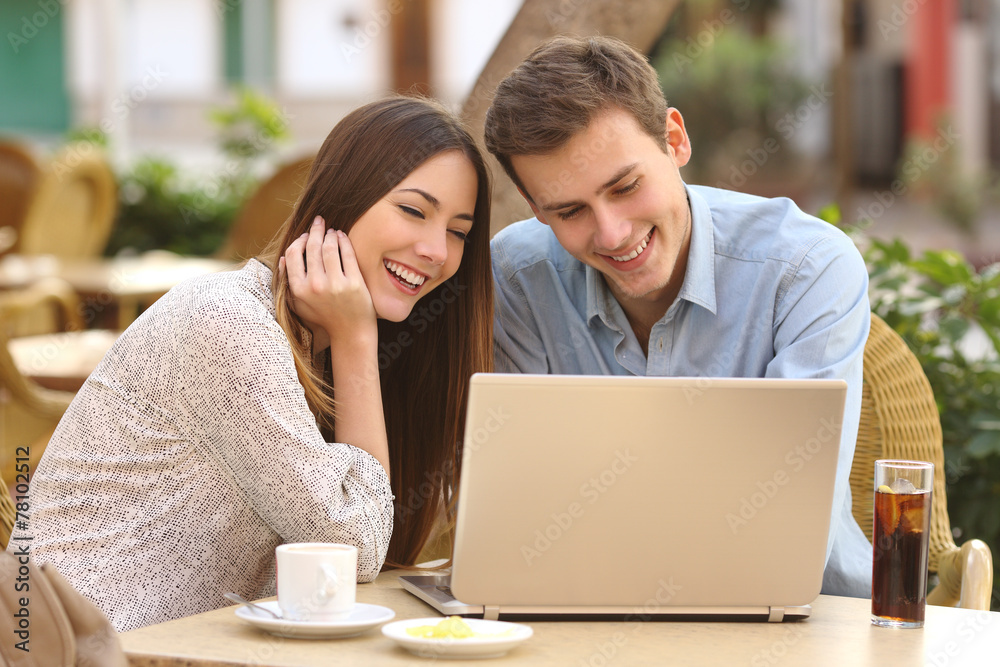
{"type": "Point", "coordinates": [435, 590]}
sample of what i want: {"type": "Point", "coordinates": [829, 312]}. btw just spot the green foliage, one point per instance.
{"type": "Point", "coordinates": [250, 128]}
{"type": "Point", "coordinates": [160, 207]}
{"type": "Point", "coordinates": [91, 135]}
{"type": "Point", "coordinates": [948, 311]}
{"type": "Point", "coordinates": [739, 90]}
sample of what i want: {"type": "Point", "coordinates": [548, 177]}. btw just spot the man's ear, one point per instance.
{"type": "Point", "coordinates": [531, 204]}
{"type": "Point", "coordinates": [678, 143]}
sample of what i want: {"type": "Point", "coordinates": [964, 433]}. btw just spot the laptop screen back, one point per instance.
{"type": "Point", "coordinates": [593, 491]}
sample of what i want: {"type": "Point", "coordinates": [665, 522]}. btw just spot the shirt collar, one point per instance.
{"type": "Point", "coordinates": [699, 276]}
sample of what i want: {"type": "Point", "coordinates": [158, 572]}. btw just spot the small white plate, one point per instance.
{"type": "Point", "coordinates": [363, 617]}
{"type": "Point", "coordinates": [503, 637]}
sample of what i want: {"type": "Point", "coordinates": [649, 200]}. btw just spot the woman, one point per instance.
{"type": "Point", "coordinates": [260, 406]}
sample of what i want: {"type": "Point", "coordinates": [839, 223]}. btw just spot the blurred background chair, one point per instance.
{"type": "Point", "coordinates": [6, 517]}
{"type": "Point", "coordinates": [265, 210]}
{"type": "Point", "coordinates": [73, 208]}
{"type": "Point", "coordinates": [19, 176]}
{"type": "Point", "coordinates": [30, 412]}
{"type": "Point", "coordinates": [899, 420]}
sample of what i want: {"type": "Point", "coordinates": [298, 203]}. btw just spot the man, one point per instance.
{"type": "Point", "coordinates": [627, 270]}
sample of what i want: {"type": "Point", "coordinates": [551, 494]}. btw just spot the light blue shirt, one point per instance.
{"type": "Point", "coordinates": [768, 292]}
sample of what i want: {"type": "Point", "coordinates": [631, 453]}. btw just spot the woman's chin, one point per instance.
{"type": "Point", "coordinates": [396, 312]}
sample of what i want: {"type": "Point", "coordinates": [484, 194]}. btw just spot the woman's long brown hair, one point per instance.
{"type": "Point", "coordinates": [425, 361]}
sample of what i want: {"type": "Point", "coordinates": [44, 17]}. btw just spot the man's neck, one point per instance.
{"type": "Point", "coordinates": [642, 316]}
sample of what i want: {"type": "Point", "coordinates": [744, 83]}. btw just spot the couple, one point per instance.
{"type": "Point", "coordinates": [251, 408]}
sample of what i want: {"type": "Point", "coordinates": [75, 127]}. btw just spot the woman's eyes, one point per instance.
{"type": "Point", "coordinates": [461, 235]}
{"type": "Point", "coordinates": [409, 210]}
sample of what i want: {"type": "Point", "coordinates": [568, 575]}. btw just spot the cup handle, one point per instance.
{"type": "Point", "coordinates": [329, 580]}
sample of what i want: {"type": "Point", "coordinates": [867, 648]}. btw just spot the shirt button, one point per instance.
{"type": "Point", "coordinates": [660, 343]}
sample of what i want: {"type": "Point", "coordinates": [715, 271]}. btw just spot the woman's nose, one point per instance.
{"type": "Point", "coordinates": [433, 246]}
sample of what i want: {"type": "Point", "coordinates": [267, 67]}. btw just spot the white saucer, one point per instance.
{"type": "Point", "coordinates": [508, 635]}
{"type": "Point", "coordinates": [363, 617]}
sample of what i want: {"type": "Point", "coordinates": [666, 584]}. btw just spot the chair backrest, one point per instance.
{"type": "Point", "coordinates": [74, 207]}
{"type": "Point", "coordinates": [19, 176]}
{"type": "Point", "coordinates": [47, 305]}
{"type": "Point", "coordinates": [7, 516]}
{"type": "Point", "coordinates": [899, 420]}
{"type": "Point", "coordinates": [265, 210]}
{"type": "Point", "coordinates": [29, 413]}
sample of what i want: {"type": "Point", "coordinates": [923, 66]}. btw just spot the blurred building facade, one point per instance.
{"type": "Point", "coordinates": [920, 68]}
{"type": "Point", "coordinates": [146, 71]}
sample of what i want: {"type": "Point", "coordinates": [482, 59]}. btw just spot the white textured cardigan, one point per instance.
{"type": "Point", "coordinates": [189, 455]}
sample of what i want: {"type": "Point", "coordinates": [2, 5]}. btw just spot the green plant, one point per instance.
{"type": "Point", "coordinates": [742, 97]}
{"type": "Point", "coordinates": [162, 208]}
{"type": "Point", "coordinates": [948, 311]}
{"type": "Point", "coordinates": [249, 129]}
{"type": "Point", "coordinates": [158, 209]}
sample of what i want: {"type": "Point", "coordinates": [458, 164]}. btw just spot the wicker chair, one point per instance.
{"type": "Point", "coordinates": [19, 176]}
{"type": "Point", "coordinates": [29, 413]}
{"type": "Point", "coordinates": [263, 213]}
{"type": "Point", "coordinates": [73, 208]}
{"type": "Point", "coordinates": [6, 517]}
{"type": "Point", "coordinates": [899, 420]}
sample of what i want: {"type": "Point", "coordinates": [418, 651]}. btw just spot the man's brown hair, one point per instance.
{"type": "Point", "coordinates": [559, 89]}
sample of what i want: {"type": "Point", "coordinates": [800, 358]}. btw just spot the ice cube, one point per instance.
{"type": "Point", "coordinates": [913, 513]}
{"type": "Point", "coordinates": [902, 485]}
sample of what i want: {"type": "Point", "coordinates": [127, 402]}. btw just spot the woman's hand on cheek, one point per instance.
{"type": "Point", "coordinates": [326, 284]}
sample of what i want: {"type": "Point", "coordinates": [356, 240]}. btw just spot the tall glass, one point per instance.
{"type": "Point", "coordinates": [901, 538]}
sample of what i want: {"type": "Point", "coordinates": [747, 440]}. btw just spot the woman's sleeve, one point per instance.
{"type": "Point", "coordinates": [248, 411]}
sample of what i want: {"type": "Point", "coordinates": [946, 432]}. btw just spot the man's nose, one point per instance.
{"type": "Point", "coordinates": [611, 230]}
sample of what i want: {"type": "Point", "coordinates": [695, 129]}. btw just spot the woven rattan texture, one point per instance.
{"type": "Point", "coordinates": [899, 420]}
{"type": "Point", "coordinates": [6, 517]}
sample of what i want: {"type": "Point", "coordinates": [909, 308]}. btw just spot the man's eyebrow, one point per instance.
{"type": "Point", "coordinates": [619, 175]}
{"type": "Point", "coordinates": [435, 203]}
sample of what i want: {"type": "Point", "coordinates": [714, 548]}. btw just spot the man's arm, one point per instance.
{"type": "Point", "coordinates": [517, 345]}
{"type": "Point", "coordinates": [821, 325]}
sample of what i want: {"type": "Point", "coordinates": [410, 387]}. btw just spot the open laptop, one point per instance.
{"type": "Point", "coordinates": [641, 497]}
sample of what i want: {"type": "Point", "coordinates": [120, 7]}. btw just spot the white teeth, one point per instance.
{"type": "Point", "coordinates": [635, 253]}
{"type": "Point", "coordinates": [409, 276]}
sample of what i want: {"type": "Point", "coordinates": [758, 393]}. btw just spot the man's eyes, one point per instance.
{"type": "Point", "coordinates": [631, 187]}
{"type": "Point", "coordinates": [570, 214]}
{"type": "Point", "coordinates": [628, 189]}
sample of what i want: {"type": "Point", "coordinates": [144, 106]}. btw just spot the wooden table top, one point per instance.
{"type": "Point", "coordinates": [61, 361]}
{"type": "Point", "coordinates": [122, 284]}
{"type": "Point", "coordinates": [151, 274]}
{"type": "Point", "coordinates": [838, 633]}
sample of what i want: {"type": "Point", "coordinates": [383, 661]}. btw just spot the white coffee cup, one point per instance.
{"type": "Point", "coordinates": [316, 580]}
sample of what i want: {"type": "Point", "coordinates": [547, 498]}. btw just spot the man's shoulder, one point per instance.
{"type": "Point", "coordinates": [767, 227]}
{"type": "Point", "coordinates": [528, 243]}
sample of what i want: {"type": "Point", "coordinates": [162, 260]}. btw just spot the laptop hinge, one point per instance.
{"type": "Point", "coordinates": [775, 614]}
{"type": "Point", "coordinates": [491, 612]}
